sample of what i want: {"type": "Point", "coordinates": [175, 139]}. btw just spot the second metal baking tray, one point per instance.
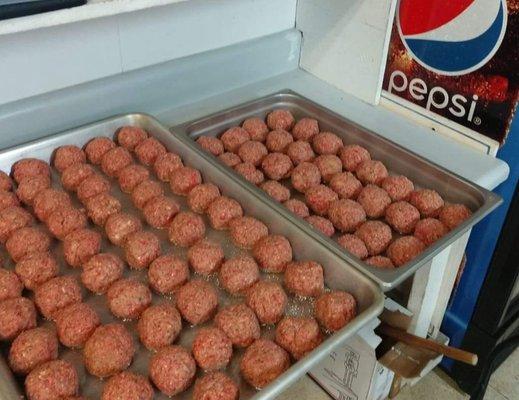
{"type": "Point", "coordinates": [398, 160]}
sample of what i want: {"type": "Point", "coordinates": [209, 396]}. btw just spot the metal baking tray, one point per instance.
{"type": "Point", "coordinates": [338, 275]}
{"type": "Point", "coordinates": [398, 160]}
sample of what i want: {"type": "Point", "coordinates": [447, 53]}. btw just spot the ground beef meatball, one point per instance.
{"type": "Point", "coordinates": [29, 187]}
{"type": "Point", "coordinates": [380, 262]}
{"type": "Point", "coordinates": [352, 156]}
{"type": "Point", "coordinates": [25, 241]}
{"type": "Point", "coordinates": [280, 119]}
{"type": "Point", "coordinates": [268, 300]}
{"type": "Point", "coordinates": [8, 199]}
{"type": "Point", "coordinates": [376, 235]}
{"type": "Point", "coordinates": [278, 140]}
{"type": "Point", "coordinates": [5, 182]}
{"type": "Point", "coordinates": [239, 323]}
{"type": "Point", "coordinates": [28, 167]}
{"type": "Point", "coordinates": [141, 248]}
{"type": "Point", "coordinates": [233, 138]}
{"type": "Point", "coordinates": [159, 326]}
{"type": "Point", "coordinates": [300, 151]}
{"type": "Point", "coordinates": [211, 144]}
{"type": "Point", "coordinates": [16, 315]}
{"type": "Point", "coordinates": [91, 186]}
{"type": "Point", "coordinates": [109, 350]}
{"type": "Point", "coordinates": [172, 369]}
{"type": "Point", "coordinates": [453, 215]}
{"type": "Point", "coordinates": [201, 196]}
{"type": "Point", "coordinates": [145, 191]}
{"type": "Point", "coordinates": [32, 348]}
{"type": "Point", "coordinates": [354, 245]}
{"type": "Point", "coordinates": [319, 198]}
{"type": "Point", "coordinates": [305, 176]}
{"type": "Point", "coordinates": [75, 324]}
{"type": "Point", "coordinates": [238, 274]}
{"type": "Point", "coordinates": [11, 219]}
{"type": "Point", "coordinates": [167, 273]}
{"type": "Point", "coordinates": [79, 246]}
{"type": "Point", "coordinates": [96, 148]}
{"type": "Point", "coordinates": [215, 386]}
{"type": "Point", "coordinates": [263, 362]}
{"type": "Point", "coordinates": [72, 177]}
{"type": "Point", "coordinates": [130, 136]}
{"type": "Point", "coordinates": [305, 129]}
{"type": "Point", "coordinates": [160, 210]}
{"type": "Point", "coordinates": [374, 200]}
{"type": "Point", "coordinates": [148, 150]}
{"type": "Point", "coordinates": [321, 224]}
{"type": "Point", "coordinates": [398, 187]}
{"type": "Point", "coordinates": [197, 301]}
{"type": "Point", "coordinates": [329, 165]}
{"type": "Point", "coordinates": [402, 216]}
{"type": "Point", "coordinates": [298, 335]}
{"type": "Point", "coordinates": [326, 143]}
{"type": "Point", "coordinates": [252, 152]}
{"type": "Point", "coordinates": [346, 215]}
{"type": "Point", "coordinates": [335, 309]}
{"type": "Point", "coordinates": [250, 173]}
{"type": "Point", "coordinates": [10, 285]}
{"type": "Point", "coordinates": [298, 207]}
{"type": "Point", "coordinates": [404, 249]}
{"type": "Point", "coordinates": [183, 179]}
{"type": "Point", "coordinates": [114, 160]}
{"type": "Point", "coordinates": [346, 185]}
{"type": "Point", "coordinates": [230, 159]}
{"type": "Point", "coordinates": [66, 220]}
{"type": "Point", "coordinates": [186, 229]}
{"type": "Point", "coordinates": [277, 166]}
{"type": "Point", "coordinates": [257, 129]}
{"type": "Point", "coordinates": [127, 386]}
{"type": "Point", "coordinates": [246, 231]}
{"type": "Point", "coordinates": [428, 202]}
{"type": "Point", "coordinates": [276, 190]}
{"type": "Point", "coordinates": [101, 271]}
{"type": "Point", "coordinates": [429, 230]}
{"type": "Point", "coordinates": [222, 210]}
{"type": "Point", "coordinates": [52, 380]}
{"type": "Point", "coordinates": [36, 268]}
{"type": "Point", "coordinates": [128, 298]}
{"type": "Point", "coordinates": [273, 253]}
{"type": "Point", "coordinates": [130, 176]}
{"type": "Point", "coordinates": [68, 155]}
{"type": "Point", "coordinates": [166, 164]}
{"type": "Point", "coordinates": [304, 278]}
{"type": "Point", "coordinates": [119, 226]}
{"type": "Point", "coordinates": [101, 207]}
{"type": "Point", "coordinates": [212, 349]}
{"type": "Point", "coordinates": [56, 294]}
{"type": "Point", "coordinates": [371, 172]}
{"type": "Point", "coordinates": [205, 257]}
{"type": "Point", "coordinates": [49, 200]}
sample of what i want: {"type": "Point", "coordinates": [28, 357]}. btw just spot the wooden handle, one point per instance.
{"type": "Point", "coordinates": [412, 340]}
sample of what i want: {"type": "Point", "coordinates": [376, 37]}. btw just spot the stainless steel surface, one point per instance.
{"type": "Point", "coordinates": [338, 275]}
{"type": "Point", "coordinates": [398, 160]}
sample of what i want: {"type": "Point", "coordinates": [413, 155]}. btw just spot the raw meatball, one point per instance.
{"type": "Point", "coordinates": [183, 179]}
{"type": "Point", "coordinates": [250, 173]}
{"type": "Point", "coordinates": [453, 215]}
{"type": "Point", "coordinates": [127, 386]}
{"type": "Point", "coordinates": [326, 143]}
{"type": "Point", "coordinates": [321, 224]}
{"type": "Point", "coordinates": [404, 249]}
{"type": "Point", "coordinates": [159, 211]}
{"type": "Point", "coordinates": [5, 182]}
{"type": "Point", "coordinates": [300, 151]}
{"type": "Point", "coordinates": [246, 231]}
{"type": "Point", "coordinates": [75, 324]}
{"type": "Point", "coordinates": [25, 241]}
{"type": "Point", "coordinates": [119, 226]}
{"type": "Point", "coordinates": [56, 294]}
{"type": "Point", "coordinates": [319, 198]}
{"type": "Point", "coordinates": [268, 300]}
{"type": "Point", "coordinates": [11, 219]}
{"type": "Point", "coordinates": [304, 278]}
{"type": "Point", "coordinates": [29, 187]}
{"type": "Point", "coordinates": [273, 253]}
{"type": "Point", "coordinates": [159, 326]}
{"type": "Point", "coordinates": [263, 362]}
{"type": "Point", "coordinates": [201, 196]}
{"type": "Point", "coordinates": [148, 150]}
{"type": "Point", "coordinates": [72, 177]}
{"type": "Point", "coordinates": [298, 207]}
{"type": "Point", "coordinates": [253, 152]}
{"type": "Point", "coordinates": [28, 167]}
{"type": "Point", "coordinates": [335, 309]}
{"type": "Point", "coordinates": [238, 274]}
{"type": "Point", "coordinates": [371, 172]}
{"type": "Point", "coordinates": [222, 210]}
{"type": "Point", "coordinates": [276, 190]}
{"type": "Point", "coordinates": [278, 140]}
{"type": "Point", "coordinates": [329, 165]}
{"type": "Point", "coordinates": [257, 128]}
{"type": "Point", "coordinates": [398, 187]}
{"type": "Point", "coordinates": [233, 138]}
{"type": "Point", "coordinates": [141, 248]}
{"type": "Point", "coordinates": [277, 166]}
{"type": "Point", "coordinates": [215, 386]}
{"type": "Point", "coordinates": [212, 349]}
{"type": "Point", "coordinates": [32, 348]}
{"type": "Point", "coordinates": [280, 119]}
{"type": "Point", "coordinates": [130, 136]}
{"type": "Point", "coordinates": [402, 216]}
{"type": "Point", "coordinates": [211, 145]}
{"type": "Point", "coordinates": [52, 380]}
{"type": "Point", "coordinates": [114, 160]}
{"type": "Point", "coordinates": [96, 148]}
{"type": "Point", "coordinates": [145, 191]}
{"type": "Point", "coordinates": [101, 271]}
{"type": "Point", "coordinates": [429, 230]}
{"type": "Point", "coordinates": [346, 185]}
{"type": "Point", "coordinates": [346, 215]}
{"type": "Point", "coordinates": [167, 273]}
{"type": "Point", "coordinates": [36, 268]}
{"type": "Point", "coordinates": [376, 235]}
{"type": "Point", "coordinates": [298, 335]}
{"type": "Point", "coordinates": [186, 229]}
{"type": "Point", "coordinates": [428, 202]}
{"type": "Point", "coordinates": [128, 298]}
{"type": "Point", "coordinates": [380, 262]}
{"type": "Point", "coordinates": [16, 315]}
{"type": "Point", "coordinates": [68, 155]}
{"type": "Point", "coordinates": [197, 301]}
{"type": "Point", "coordinates": [10, 285]}
{"type": "Point", "coordinates": [354, 245]}
{"type": "Point", "coordinates": [305, 129]}
{"type": "Point", "coordinates": [166, 164]}
{"type": "Point", "coordinates": [352, 156]}
{"type": "Point", "coordinates": [172, 370]}
{"type": "Point", "coordinates": [8, 199]}
{"type": "Point", "coordinates": [205, 257]}
{"type": "Point", "coordinates": [101, 207]}
{"type": "Point", "coordinates": [130, 176]}
{"type": "Point", "coordinates": [79, 246]}
{"type": "Point", "coordinates": [109, 350]}
{"type": "Point", "coordinates": [230, 159]}
{"type": "Point", "coordinates": [49, 200]}
{"type": "Point", "coordinates": [239, 324]}
{"type": "Point", "coordinates": [66, 220]}
{"type": "Point", "coordinates": [374, 200]}
{"type": "Point", "coordinates": [305, 176]}
{"type": "Point", "coordinates": [92, 185]}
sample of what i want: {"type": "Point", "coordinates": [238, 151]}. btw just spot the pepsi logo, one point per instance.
{"type": "Point", "coordinates": [452, 37]}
